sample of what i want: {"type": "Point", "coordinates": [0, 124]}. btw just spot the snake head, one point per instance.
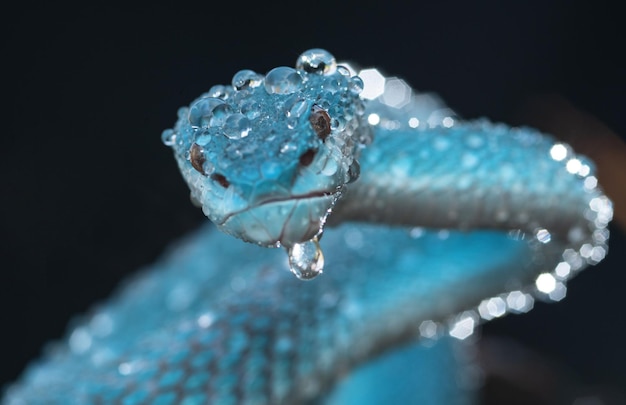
{"type": "Point", "coordinates": [268, 156]}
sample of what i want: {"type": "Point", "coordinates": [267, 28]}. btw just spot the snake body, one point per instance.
{"type": "Point", "coordinates": [413, 227]}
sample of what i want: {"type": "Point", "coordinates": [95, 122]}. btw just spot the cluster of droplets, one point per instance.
{"type": "Point", "coordinates": [229, 137]}
{"type": "Point", "coordinates": [256, 103]}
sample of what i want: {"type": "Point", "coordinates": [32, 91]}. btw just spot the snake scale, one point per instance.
{"type": "Point", "coordinates": [409, 225]}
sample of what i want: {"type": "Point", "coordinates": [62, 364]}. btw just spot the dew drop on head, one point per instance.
{"type": "Point", "coordinates": [236, 126]}
{"type": "Point", "coordinates": [318, 61]}
{"type": "Point", "coordinates": [283, 80]}
{"type": "Point", "coordinates": [204, 110]}
{"type": "Point", "coordinates": [306, 260]}
{"type": "Point", "coordinates": [246, 79]}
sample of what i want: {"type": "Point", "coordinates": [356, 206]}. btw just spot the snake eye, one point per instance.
{"type": "Point", "coordinates": [307, 157]}
{"type": "Point", "coordinates": [220, 179]}
{"type": "Point", "coordinates": [320, 121]}
{"type": "Point", "coordinates": [196, 157]}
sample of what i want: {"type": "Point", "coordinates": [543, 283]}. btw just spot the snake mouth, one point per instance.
{"type": "Point", "coordinates": [281, 221]}
{"type": "Point", "coordinates": [273, 200]}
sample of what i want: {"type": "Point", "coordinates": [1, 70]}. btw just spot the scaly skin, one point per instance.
{"type": "Point", "coordinates": [447, 225]}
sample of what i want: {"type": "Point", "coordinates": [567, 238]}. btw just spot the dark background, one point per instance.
{"type": "Point", "coordinates": [89, 193]}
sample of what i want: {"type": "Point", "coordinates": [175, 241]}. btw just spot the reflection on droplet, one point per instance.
{"type": "Point", "coordinates": [306, 260]}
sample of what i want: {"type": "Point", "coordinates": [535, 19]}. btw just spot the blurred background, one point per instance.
{"type": "Point", "coordinates": [89, 194]}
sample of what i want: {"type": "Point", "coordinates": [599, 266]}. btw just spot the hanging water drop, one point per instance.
{"type": "Point", "coordinates": [306, 260]}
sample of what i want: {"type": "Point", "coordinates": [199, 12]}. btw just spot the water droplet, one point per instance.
{"type": "Point", "coordinates": [202, 110]}
{"type": "Point", "coordinates": [343, 70]}
{"type": "Point", "coordinates": [218, 116]}
{"type": "Point", "coordinates": [283, 80]}
{"type": "Point", "coordinates": [168, 137]}
{"type": "Point", "coordinates": [292, 122]}
{"type": "Point", "coordinates": [237, 126]}
{"type": "Point", "coordinates": [306, 260]}
{"type": "Point", "coordinates": [203, 138]}
{"type": "Point", "coordinates": [298, 108]}
{"type": "Point", "coordinates": [246, 78]}
{"type": "Point", "coordinates": [219, 91]}
{"type": "Point", "coordinates": [356, 85]}
{"type": "Point", "coordinates": [251, 109]}
{"type": "Point", "coordinates": [318, 61]}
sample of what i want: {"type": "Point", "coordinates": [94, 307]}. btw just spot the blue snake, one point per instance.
{"type": "Point", "coordinates": [397, 228]}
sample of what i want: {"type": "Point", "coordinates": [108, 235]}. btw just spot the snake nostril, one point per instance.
{"type": "Point", "coordinates": [220, 179]}
{"type": "Point", "coordinates": [307, 157]}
